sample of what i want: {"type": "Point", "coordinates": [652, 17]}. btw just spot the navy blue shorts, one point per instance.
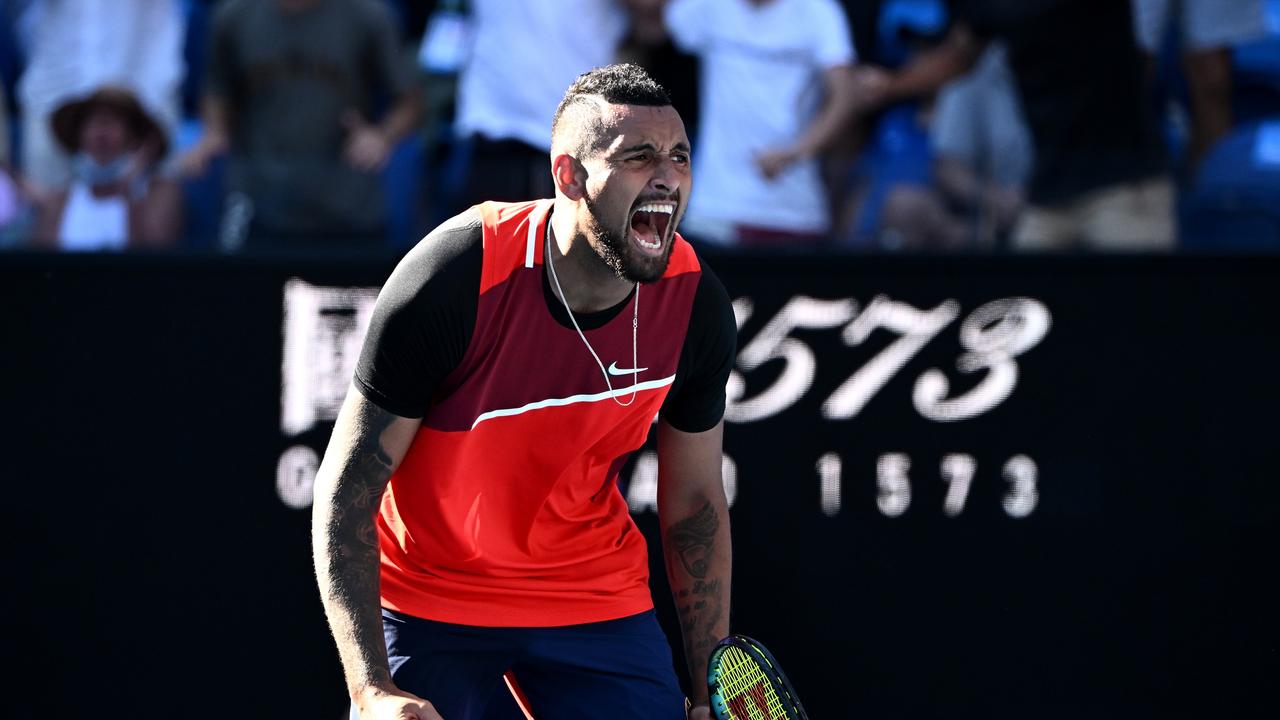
{"type": "Point", "coordinates": [617, 669]}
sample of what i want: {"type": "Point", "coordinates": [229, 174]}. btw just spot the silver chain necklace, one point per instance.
{"type": "Point", "coordinates": [635, 324]}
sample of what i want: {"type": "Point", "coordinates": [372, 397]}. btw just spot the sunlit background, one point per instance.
{"type": "Point", "coordinates": [1000, 437]}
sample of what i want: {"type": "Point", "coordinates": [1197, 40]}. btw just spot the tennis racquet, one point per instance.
{"type": "Point", "coordinates": [745, 682]}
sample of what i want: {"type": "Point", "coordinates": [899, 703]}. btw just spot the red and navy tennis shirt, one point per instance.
{"type": "Point", "coordinates": [506, 509]}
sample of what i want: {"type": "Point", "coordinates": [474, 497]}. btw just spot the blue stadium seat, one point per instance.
{"type": "Point", "coordinates": [1234, 203]}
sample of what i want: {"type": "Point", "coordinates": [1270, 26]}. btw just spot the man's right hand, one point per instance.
{"type": "Point", "coordinates": [395, 704]}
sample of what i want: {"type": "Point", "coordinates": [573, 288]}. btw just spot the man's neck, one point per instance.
{"type": "Point", "coordinates": [588, 284]}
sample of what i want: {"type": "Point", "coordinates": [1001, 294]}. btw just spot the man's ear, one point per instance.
{"type": "Point", "coordinates": [570, 176]}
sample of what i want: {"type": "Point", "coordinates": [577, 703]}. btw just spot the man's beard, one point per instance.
{"type": "Point", "coordinates": [614, 250]}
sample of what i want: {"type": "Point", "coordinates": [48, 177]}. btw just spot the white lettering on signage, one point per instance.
{"type": "Point", "coordinates": [915, 329]}
{"type": "Point", "coordinates": [894, 493]}
{"type": "Point", "coordinates": [957, 472]}
{"type": "Point", "coordinates": [992, 336]}
{"type": "Point", "coordinates": [829, 484]}
{"type": "Point", "coordinates": [894, 486]}
{"type": "Point", "coordinates": [1023, 496]}
{"type": "Point", "coordinates": [296, 476]}
{"type": "Point", "coordinates": [324, 328]}
{"type": "Point", "coordinates": [773, 342]}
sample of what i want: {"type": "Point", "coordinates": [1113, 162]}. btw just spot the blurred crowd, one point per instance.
{"type": "Point", "coordinates": [817, 125]}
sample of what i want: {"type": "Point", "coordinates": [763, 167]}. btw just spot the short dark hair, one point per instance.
{"type": "Point", "coordinates": [617, 84]}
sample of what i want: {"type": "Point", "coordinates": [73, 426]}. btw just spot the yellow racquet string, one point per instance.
{"type": "Point", "coordinates": [738, 675]}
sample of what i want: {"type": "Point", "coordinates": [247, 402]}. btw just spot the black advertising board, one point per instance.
{"type": "Point", "coordinates": [1001, 486]}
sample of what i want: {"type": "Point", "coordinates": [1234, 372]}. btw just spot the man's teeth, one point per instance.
{"type": "Point", "coordinates": [657, 243]}
{"type": "Point", "coordinates": [666, 208]}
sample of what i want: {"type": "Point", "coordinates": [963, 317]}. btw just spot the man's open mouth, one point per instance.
{"type": "Point", "coordinates": [649, 224]}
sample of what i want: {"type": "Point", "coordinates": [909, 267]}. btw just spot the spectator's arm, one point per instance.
{"type": "Point", "coordinates": [215, 113]}
{"type": "Point", "coordinates": [830, 122]}
{"type": "Point", "coordinates": [159, 216]}
{"type": "Point", "coordinates": [958, 181]}
{"type": "Point", "coordinates": [962, 186]}
{"type": "Point", "coordinates": [215, 137]}
{"type": "Point", "coordinates": [403, 118]}
{"type": "Point", "coordinates": [49, 221]}
{"type": "Point", "coordinates": [222, 74]}
{"type": "Point", "coordinates": [927, 73]}
{"type": "Point", "coordinates": [370, 145]}
{"type": "Point", "coordinates": [833, 53]}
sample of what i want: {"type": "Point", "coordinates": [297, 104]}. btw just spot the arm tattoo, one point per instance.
{"type": "Point", "coordinates": [700, 600]}
{"type": "Point", "coordinates": [694, 538]}
{"type": "Point", "coordinates": [347, 555]}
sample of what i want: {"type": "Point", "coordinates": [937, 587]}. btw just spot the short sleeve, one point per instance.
{"type": "Point", "coordinates": [697, 401]}
{"type": "Point", "coordinates": [834, 46]}
{"type": "Point", "coordinates": [423, 319]}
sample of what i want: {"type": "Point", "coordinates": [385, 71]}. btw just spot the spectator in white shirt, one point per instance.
{"type": "Point", "coordinates": [523, 56]}
{"type": "Point", "coordinates": [776, 91]}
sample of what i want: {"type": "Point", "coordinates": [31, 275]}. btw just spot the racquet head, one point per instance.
{"type": "Point", "coordinates": [745, 682]}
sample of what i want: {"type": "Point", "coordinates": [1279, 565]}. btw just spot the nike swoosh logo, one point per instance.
{"type": "Point", "coordinates": [615, 370]}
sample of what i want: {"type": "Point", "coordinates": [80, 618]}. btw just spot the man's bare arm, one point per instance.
{"type": "Point", "coordinates": [214, 140]}
{"type": "Point", "coordinates": [367, 445]}
{"type": "Point", "coordinates": [369, 146]}
{"type": "Point", "coordinates": [958, 53]}
{"type": "Point", "coordinates": [832, 121]}
{"type": "Point", "coordinates": [694, 516]}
